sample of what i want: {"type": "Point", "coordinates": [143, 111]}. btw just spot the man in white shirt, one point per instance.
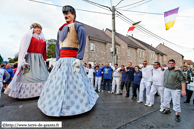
{"type": "Point", "coordinates": [85, 68]}
{"type": "Point", "coordinates": [116, 80]}
{"type": "Point", "coordinates": [91, 74]}
{"type": "Point", "coordinates": [158, 81]}
{"type": "Point", "coordinates": [146, 81]}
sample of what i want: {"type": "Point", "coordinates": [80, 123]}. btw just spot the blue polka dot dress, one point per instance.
{"type": "Point", "coordinates": [66, 92]}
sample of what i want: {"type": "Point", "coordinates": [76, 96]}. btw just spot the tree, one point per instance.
{"type": "Point", "coordinates": [51, 48]}
{"type": "Point", "coordinates": [15, 59]}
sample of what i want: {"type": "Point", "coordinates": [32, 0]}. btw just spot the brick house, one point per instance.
{"type": "Point", "coordinates": [171, 54]}
{"type": "Point", "coordinates": [128, 51]}
{"type": "Point", "coordinates": [189, 62]}
{"type": "Point", "coordinates": [98, 46]}
{"type": "Point", "coordinates": [151, 54]}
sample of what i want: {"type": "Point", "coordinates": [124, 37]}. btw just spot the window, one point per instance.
{"type": "Point", "coordinates": [91, 47]}
{"type": "Point", "coordinates": [152, 55]}
{"type": "Point", "coordinates": [139, 54]}
{"type": "Point", "coordinates": [164, 58]}
{"type": "Point", "coordinates": [142, 54]}
{"type": "Point", "coordinates": [128, 52]}
{"type": "Point", "coordinates": [156, 57]}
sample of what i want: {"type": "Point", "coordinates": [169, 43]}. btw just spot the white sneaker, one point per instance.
{"type": "Point", "coordinates": [140, 101]}
{"type": "Point", "coordinates": [161, 110]}
{"type": "Point", "coordinates": [109, 92]}
{"type": "Point", "coordinates": [150, 105]}
{"type": "Point", "coordinates": [146, 104]}
{"type": "Point", "coordinates": [99, 91]}
{"type": "Point", "coordinates": [102, 90]}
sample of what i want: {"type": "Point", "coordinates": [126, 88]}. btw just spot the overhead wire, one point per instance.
{"type": "Point", "coordinates": [151, 13]}
{"type": "Point", "coordinates": [76, 8]}
{"type": "Point", "coordinates": [121, 16]}
{"type": "Point", "coordinates": [149, 33]}
{"type": "Point", "coordinates": [130, 4]}
{"type": "Point", "coordinates": [98, 5]}
{"type": "Point", "coordinates": [119, 3]}
{"type": "Point", "coordinates": [140, 4]}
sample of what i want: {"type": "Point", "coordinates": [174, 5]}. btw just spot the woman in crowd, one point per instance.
{"type": "Point", "coordinates": [136, 82]}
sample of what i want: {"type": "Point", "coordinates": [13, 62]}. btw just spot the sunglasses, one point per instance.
{"type": "Point", "coordinates": [144, 63]}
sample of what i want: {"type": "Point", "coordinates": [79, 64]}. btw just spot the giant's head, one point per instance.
{"type": "Point", "coordinates": [69, 13]}
{"type": "Point", "coordinates": [37, 28]}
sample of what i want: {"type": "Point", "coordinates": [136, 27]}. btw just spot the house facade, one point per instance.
{"type": "Point", "coordinates": [171, 54]}
{"type": "Point", "coordinates": [150, 54]}
{"type": "Point", "coordinates": [128, 51]}
{"type": "Point", "coordinates": [98, 46]}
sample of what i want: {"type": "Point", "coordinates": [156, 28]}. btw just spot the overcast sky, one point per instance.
{"type": "Point", "coordinates": [18, 15]}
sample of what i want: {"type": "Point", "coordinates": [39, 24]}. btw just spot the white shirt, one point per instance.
{"type": "Point", "coordinates": [91, 73]}
{"type": "Point", "coordinates": [158, 77]}
{"type": "Point", "coordinates": [115, 72]}
{"type": "Point", "coordinates": [147, 73]}
{"type": "Point", "coordinates": [86, 69]}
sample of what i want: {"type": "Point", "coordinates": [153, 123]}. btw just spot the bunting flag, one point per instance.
{"type": "Point", "coordinates": [170, 17]}
{"type": "Point", "coordinates": [131, 28]}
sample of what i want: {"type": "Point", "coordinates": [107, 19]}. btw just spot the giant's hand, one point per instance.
{"type": "Point", "coordinates": [76, 65]}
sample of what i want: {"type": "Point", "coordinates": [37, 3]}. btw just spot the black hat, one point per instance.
{"type": "Point", "coordinates": [68, 8]}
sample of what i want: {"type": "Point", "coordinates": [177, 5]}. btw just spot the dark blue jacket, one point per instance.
{"type": "Point", "coordinates": [125, 75]}
{"type": "Point", "coordinates": [107, 72]}
{"type": "Point", "coordinates": [137, 77]}
{"type": "Point", "coordinates": [131, 72]}
{"type": "Point", "coordinates": [99, 73]}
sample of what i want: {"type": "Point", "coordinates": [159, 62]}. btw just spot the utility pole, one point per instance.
{"type": "Point", "coordinates": [113, 36]}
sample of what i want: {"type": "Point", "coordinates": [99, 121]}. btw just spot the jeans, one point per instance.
{"type": "Point", "coordinates": [126, 84]}
{"type": "Point", "coordinates": [135, 87]}
{"type": "Point", "coordinates": [104, 83]}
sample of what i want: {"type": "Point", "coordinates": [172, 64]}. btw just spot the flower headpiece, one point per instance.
{"type": "Point", "coordinates": [34, 25]}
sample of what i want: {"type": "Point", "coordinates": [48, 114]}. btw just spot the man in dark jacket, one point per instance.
{"type": "Point", "coordinates": [189, 92]}
{"type": "Point", "coordinates": [125, 80]}
{"type": "Point", "coordinates": [174, 82]}
{"type": "Point", "coordinates": [131, 71]}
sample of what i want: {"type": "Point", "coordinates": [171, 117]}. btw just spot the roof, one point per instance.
{"type": "Point", "coordinates": [96, 33]}
{"type": "Point", "coordinates": [148, 46]}
{"type": "Point", "coordinates": [127, 40]}
{"type": "Point", "coordinates": [190, 62]}
{"type": "Point", "coordinates": [170, 49]}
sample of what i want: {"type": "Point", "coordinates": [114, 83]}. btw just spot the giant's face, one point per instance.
{"type": "Point", "coordinates": [69, 17]}
{"type": "Point", "coordinates": [37, 30]}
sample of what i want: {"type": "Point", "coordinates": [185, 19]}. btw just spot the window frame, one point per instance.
{"type": "Point", "coordinates": [92, 51]}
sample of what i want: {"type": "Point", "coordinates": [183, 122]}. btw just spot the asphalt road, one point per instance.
{"type": "Point", "coordinates": [110, 112]}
